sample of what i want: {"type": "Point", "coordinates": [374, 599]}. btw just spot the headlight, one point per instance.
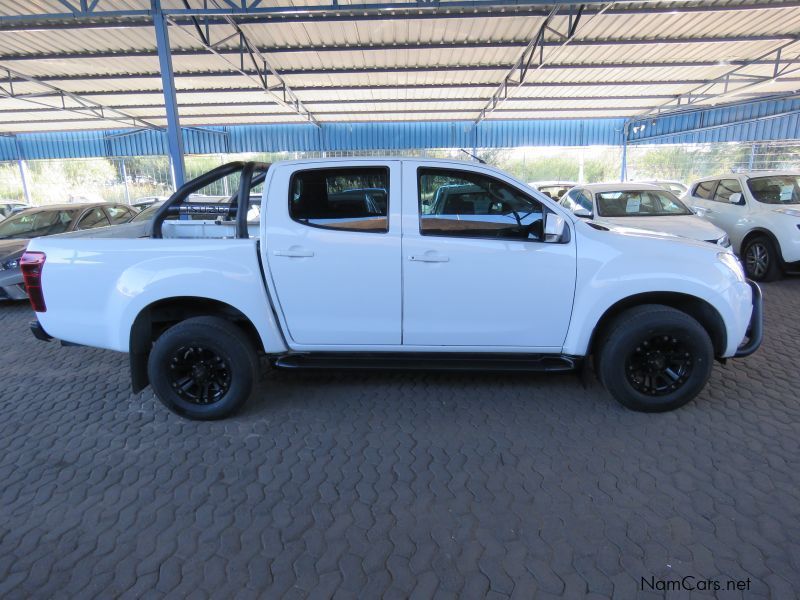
{"type": "Point", "coordinates": [730, 261]}
{"type": "Point", "coordinates": [792, 212]}
{"type": "Point", "coordinates": [11, 264]}
{"type": "Point", "coordinates": [724, 241]}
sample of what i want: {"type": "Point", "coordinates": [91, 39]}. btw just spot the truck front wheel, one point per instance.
{"type": "Point", "coordinates": [654, 358]}
{"type": "Point", "coordinates": [203, 368]}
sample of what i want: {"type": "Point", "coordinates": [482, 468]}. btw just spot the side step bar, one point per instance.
{"type": "Point", "coordinates": [431, 361]}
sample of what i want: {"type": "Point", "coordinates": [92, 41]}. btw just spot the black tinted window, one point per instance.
{"type": "Point", "coordinates": [725, 189]}
{"type": "Point", "coordinates": [705, 189]}
{"type": "Point", "coordinates": [466, 204]}
{"type": "Point", "coordinates": [353, 199]}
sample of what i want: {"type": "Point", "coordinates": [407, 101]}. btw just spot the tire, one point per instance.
{"type": "Point", "coordinates": [761, 260]}
{"type": "Point", "coordinates": [643, 351]}
{"type": "Point", "coordinates": [203, 368]}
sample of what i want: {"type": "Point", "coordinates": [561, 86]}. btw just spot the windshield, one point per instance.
{"type": "Point", "coordinates": [147, 213]}
{"type": "Point", "coordinates": [639, 203]}
{"type": "Point", "coordinates": [30, 224]}
{"type": "Point", "coordinates": [776, 189]}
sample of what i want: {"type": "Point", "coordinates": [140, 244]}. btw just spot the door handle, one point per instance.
{"type": "Point", "coordinates": [294, 253]}
{"type": "Point", "coordinates": [431, 258]}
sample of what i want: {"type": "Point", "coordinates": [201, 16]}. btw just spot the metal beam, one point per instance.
{"type": "Point", "coordinates": [68, 101]}
{"type": "Point", "coordinates": [260, 68]}
{"type": "Point", "coordinates": [174, 133]}
{"type": "Point", "coordinates": [226, 50]}
{"type": "Point", "coordinates": [250, 72]}
{"type": "Point", "coordinates": [534, 51]}
{"type": "Point", "coordinates": [255, 12]}
{"type": "Point", "coordinates": [735, 81]}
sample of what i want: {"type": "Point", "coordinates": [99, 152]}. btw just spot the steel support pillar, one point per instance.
{"type": "Point", "coordinates": [624, 171]}
{"type": "Point", "coordinates": [23, 172]}
{"type": "Point", "coordinates": [174, 134]}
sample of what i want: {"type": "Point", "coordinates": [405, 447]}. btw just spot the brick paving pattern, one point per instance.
{"type": "Point", "coordinates": [396, 485]}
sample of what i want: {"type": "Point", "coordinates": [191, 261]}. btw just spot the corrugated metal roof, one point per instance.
{"type": "Point", "coordinates": [359, 66]}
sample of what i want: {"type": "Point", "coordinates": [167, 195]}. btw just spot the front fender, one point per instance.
{"type": "Point", "coordinates": [609, 274]}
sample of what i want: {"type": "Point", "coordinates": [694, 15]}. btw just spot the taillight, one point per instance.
{"type": "Point", "coordinates": [31, 264]}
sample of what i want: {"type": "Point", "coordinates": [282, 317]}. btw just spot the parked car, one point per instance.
{"type": "Point", "coordinates": [553, 189]}
{"type": "Point", "coordinates": [760, 211]}
{"type": "Point", "coordinates": [519, 283]}
{"type": "Point", "coordinates": [7, 208]}
{"type": "Point", "coordinates": [641, 205]}
{"type": "Point", "coordinates": [676, 187]}
{"type": "Point", "coordinates": [17, 230]}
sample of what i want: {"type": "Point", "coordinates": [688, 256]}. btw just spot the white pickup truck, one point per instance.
{"type": "Point", "coordinates": [391, 263]}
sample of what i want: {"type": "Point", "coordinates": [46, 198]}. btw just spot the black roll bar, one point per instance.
{"type": "Point", "coordinates": [252, 174]}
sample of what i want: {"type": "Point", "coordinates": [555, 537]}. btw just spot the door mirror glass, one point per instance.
{"type": "Point", "coordinates": [580, 211]}
{"type": "Point", "coordinates": [735, 198]}
{"type": "Point", "coordinates": [555, 229]}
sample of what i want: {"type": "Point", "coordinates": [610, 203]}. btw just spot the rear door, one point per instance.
{"type": "Point", "coordinates": [332, 243]}
{"type": "Point", "coordinates": [701, 198]}
{"type": "Point", "coordinates": [476, 271]}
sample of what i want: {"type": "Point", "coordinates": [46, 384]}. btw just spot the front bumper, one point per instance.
{"type": "Point", "coordinates": [755, 330]}
{"type": "Point", "coordinates": [12, 286]}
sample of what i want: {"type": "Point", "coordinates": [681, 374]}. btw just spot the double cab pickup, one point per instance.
{"type": "Point", "coordinates": [391, 263]}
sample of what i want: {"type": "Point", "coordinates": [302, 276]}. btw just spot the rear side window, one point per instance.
{"type": "Point", "coordinates": [118, 214]}
{"type": "Point", "coordinates": [725, 189]}
{"type": "Point", "coordinates": [94, 218]}
{"type": "Point", "coordinates": [350, 199]}
{"type": "Point", "coordinates": [705, 189]}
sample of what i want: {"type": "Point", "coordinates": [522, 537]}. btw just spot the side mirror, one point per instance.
{"type": "Point", "coordinates": [581, 212]}
{"type": "Point", "coordinates": [556, 230]}
{"type": "Point", "coordinates": [735, 198]}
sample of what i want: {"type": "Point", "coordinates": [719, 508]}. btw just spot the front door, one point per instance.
{"type": "Point", "coordinates": [476, 271]}
{"type": "Point", "coordinates": [333, 249]}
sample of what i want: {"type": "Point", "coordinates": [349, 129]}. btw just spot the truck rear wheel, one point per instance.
{"type": "Point", "coordinates": [203, 368]}
{"type": "Point", "coordinates": [654, 358]}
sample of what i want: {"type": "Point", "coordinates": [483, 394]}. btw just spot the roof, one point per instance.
{"type": "Point", "coordinates": [749, 174]}
{"type": "Point", "coordinates": [621, 187]}
{"type": "Point", "coordinates": [412, 61]}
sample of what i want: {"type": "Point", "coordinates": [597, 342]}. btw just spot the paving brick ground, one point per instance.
{"type": "Point", "coordinates": [396, 485]}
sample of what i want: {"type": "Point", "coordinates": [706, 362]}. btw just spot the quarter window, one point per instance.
{"type": "Point", "coordinates": [466, 204]}
{"type": "Point", "coordinates": [725, 189]}
{"type": "Point", "coordinates": [705, 189]}
{"type": "Point", "coordinates": [351, 199]}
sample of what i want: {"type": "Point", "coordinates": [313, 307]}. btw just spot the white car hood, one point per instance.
{"type": "Point", "coordinates": [688, 226]}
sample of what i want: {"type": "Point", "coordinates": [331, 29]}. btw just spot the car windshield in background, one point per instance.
{"type": "Point", "coordinates": [148, 213]}
{"type": "Point", "coordinates": [639, 203]}
{"type": "Point", "coordinates": [554, 191]}
{"type": "Point", "coordinates": [775, 189]}
{"type": "Point", "coordinates": [38, 223]}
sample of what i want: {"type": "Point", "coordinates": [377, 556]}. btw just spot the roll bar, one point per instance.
{"type": "Point", "coordinates": [252, 174]}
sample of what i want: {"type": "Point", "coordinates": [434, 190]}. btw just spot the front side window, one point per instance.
{"type": "Point", "coordinates": [36, 223]}
{"type": "Point", "coordinates": [94, 218]}
{"type": "Point", "coordinates": [639, 203]}
{"type": "Point", "coordinates": [350, 198]}
{"type": "Point", "coordinates": [705, 189]}
{"type": "Point", "coordinates": [776, 189]}
{"type": "Point", "coordinates": [725, 189]}
{"type": "Point", "coordinates": [466, 204]}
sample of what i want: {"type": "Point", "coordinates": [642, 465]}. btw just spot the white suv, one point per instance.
{"type": "Point", "coordinates": [760, 211]}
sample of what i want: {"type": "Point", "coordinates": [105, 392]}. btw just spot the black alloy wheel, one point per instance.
{"type": "Point", "coordinates": [199, 375]}
{"type": "Point", "coordinates": [659, 365]}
